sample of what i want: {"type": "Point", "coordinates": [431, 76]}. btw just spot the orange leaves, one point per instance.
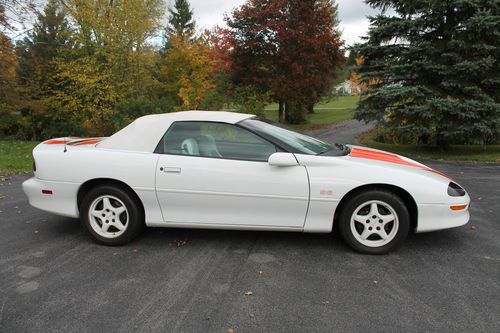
{"type": "Point", "coordinates": [356, 82]}
{"type": "Point", "coordinates": [188, 71]}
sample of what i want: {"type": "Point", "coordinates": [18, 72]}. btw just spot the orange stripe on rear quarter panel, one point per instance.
{"type": "Point", "coordinates": [87, 142]}
{"type": "Point", "coordinates": [60, 141]}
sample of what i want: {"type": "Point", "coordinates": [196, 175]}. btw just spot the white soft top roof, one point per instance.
{"type": "Point", "coordinates": [144, 133]}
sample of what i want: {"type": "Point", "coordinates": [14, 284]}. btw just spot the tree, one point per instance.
{"type": "Point", "coordinates": [8, 63]}
{"type": "Point", "coordinates": [113, 61]}
{"type": "Point", "coordinates": [181, 22]}
{"type": "Point", "coordinates": [437, 70]}
{"type": "Point", "coordinates": [290, 48]}
{"type": "Point", "coordinates": [8, 95]}
{"type": "Point", "coordinates": [49, 41]}
{"type": "Point", "coordinates": [357, 84]}
{"type": "Point", "coordinates": [14, 13]}
{"type": "Point", "coordinates": [187, 72]}
{"type": "Point", "coordinates": [188, 66]}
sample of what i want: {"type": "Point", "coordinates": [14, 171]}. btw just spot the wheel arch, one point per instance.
{"type": "Point", "coordinates": [92, 183]}
{"type": "Point", "coordinates": [408, 200]}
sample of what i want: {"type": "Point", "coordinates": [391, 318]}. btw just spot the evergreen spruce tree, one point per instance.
{"type": "Point", "coordinates": [50, 41]}
{"type": "Point", "coordinates": [181, 20]}
{"type": "Point", "coordinates": [50, 38]}
{"type": "Point", "coordinates": [432, 70]}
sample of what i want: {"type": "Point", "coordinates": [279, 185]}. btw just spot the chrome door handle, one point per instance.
{"type": "Point", "coordinates": [170, 170]}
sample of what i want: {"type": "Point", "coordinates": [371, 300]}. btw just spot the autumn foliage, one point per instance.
{"type": "Point", "coordinates": [291, 48]}
{"type": "Point", "coordinates": [89, 67]}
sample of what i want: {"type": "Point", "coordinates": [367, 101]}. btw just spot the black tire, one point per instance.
{"type": "Point", "coordinates": [134, 211]}
{"type": "Point", "coordinates": [383, 196]}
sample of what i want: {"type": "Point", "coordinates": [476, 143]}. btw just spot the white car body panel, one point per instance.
{"type": "Point", "coordinates": [220, 191]}
{"type": "Point", "coordinates": [203, 192]}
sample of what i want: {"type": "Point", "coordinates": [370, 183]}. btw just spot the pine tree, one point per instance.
{"type": "Point", "coordinates": [51, 40]}
{"type": "Point", "coordinates": [432, 70]}
{"type": "Point", "coordinates": [181, 22]}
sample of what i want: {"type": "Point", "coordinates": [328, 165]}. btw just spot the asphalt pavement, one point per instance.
{"type": "Point", "coordinates": [346, 131]}
{"type": "Point", "coordinates": [53, 277]}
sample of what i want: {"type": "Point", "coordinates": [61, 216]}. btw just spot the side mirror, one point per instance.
{"type": "Point", "coordinates": [282, 159]}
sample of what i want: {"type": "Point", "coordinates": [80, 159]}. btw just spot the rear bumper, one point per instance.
{"type": "Point", "coordinates": [437, 217]}
{"type": "Point", "coordinates": [62, 201]}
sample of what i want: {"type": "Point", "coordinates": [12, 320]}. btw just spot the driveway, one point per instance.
{"type": "Point", "coordinates": [346, 131]}
{"type": "Point", "coordinates": [54, 278]}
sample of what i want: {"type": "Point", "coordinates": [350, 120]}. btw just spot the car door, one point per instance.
{"type": "Point", "coordinates": [212, 173]}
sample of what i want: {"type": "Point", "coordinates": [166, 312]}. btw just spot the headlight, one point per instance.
{"type": "Point", "coordinates": [454, 190]}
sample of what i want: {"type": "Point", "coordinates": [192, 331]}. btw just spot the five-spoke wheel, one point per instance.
{"type": "Point", "coordinates": [108, 216]}
{"type": "Point", "coordinates": [112, 214]}
{"type": "Point", "coordinates": [374, 222]}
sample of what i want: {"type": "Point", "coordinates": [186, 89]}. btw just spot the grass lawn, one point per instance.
{"type": "Point", "coordinates": [326, 113]}
{"type": "Point", "coordinates": [15, 156]}
{"type": "Point", "coordinates": [476, 153]}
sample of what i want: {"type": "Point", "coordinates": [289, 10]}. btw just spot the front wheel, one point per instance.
{"type": "Point", "coordinates": [374, 222]}
{"type": "Point", "coordinates": [112, 215]}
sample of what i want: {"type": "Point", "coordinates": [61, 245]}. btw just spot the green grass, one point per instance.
{"type": "Point", "coordinates": [15, 156]}
{"type": "Point", "coordinates": [478, 153]}
{"type": "Point", "coordinates": [326, 112]}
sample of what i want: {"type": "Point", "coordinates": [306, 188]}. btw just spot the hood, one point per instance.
{"type": "Point", "coordinates": [389, 158]}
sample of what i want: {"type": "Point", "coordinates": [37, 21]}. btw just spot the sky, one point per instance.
{"type": "Point", "coordinates": [352, 15]}
{"type": "Point", "coordinates": [208, 13]}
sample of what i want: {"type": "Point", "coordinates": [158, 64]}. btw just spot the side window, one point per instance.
{"type": "Point", "coordinates": [217, 140]}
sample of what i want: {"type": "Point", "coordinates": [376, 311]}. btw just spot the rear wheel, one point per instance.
{"type": "Point", "coordinates": [374, 222]}
{"type": "Point", "coordinates": [112, 215]}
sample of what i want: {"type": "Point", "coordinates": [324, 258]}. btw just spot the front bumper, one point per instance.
{"type": "Point", "coordinates": [433, 217]}
{"type": "Point", "coordinates": [62, 201]}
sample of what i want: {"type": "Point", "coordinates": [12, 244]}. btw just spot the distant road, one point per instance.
{"type": "Point", "coordinates": [344, 132]}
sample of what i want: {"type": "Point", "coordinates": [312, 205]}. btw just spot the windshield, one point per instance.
{"type": "Point", "coordinates": [292, 141]}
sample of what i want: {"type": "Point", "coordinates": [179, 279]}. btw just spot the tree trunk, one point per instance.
{"type": "Point", "coordinates": [288, 111]}
{"type": "Point", "coordinates": [441, 140]}
{"type": "Point", "coordinates": [310, 107]}
{"type": "Point", "coordinates": [296, 112]}
{"type": "Point", "coordinates": [281, 112]}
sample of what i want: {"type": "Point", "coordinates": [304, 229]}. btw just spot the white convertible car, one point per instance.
{"type": "Point", "coordinates": [223, 170]}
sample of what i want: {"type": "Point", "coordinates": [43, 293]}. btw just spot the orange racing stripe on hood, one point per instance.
{"type": "Point", "coordinates": [389, 158]}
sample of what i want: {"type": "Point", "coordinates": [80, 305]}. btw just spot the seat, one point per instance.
{"type": "Point", "coordinates": [190, 147]}
{"type": "Point", "coordinates": [207, 146]}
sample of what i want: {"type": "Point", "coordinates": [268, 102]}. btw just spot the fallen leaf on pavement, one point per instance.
{"type": "Point", "coordinates": [180, 242]}
{"type": "Point", "coordinates": [230, 330]}
{"type": "Point", "coordinates": [473, 227]}
{"type": "Point", "coordinates": [325, 302]}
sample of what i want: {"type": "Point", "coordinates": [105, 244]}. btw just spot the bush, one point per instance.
{"type": "Point", "coordinates": [130, 109]}
{"type": "Point", "coordinates": [247, 100]}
